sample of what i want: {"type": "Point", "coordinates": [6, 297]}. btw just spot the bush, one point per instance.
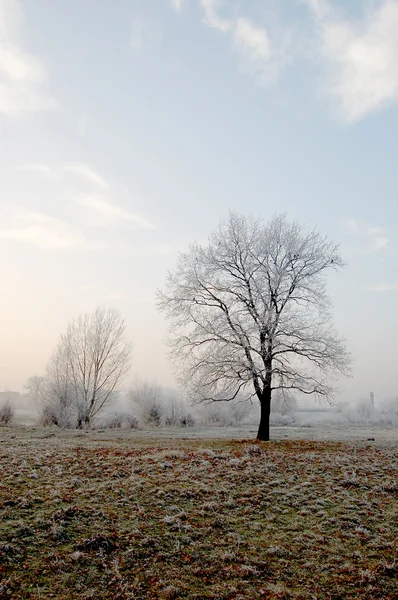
{"type": "Point", "coordinates": [279, 420]}
{"type": "Point", "coordinates": [54, 414]}
{"type": "Point", "coordinates": [48, 416]}
{"type": "Point", "coordinates": [187, 420]}
{"type": "Point", "coordinates": [7, 413]}
{"type": "Point", "coordinates": [118, 420]}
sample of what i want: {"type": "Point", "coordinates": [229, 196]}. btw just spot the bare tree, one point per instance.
{"type": "Point", "coordinates": [149, 397]}
{"type": "Point", "coordinates": [59, 401]}
{"type": "Point", "coordinates": [89, 362]}
{"type": "Point", "coordinates": [249, 314]}
{"type": "Point", "coordinates": [36, 389]}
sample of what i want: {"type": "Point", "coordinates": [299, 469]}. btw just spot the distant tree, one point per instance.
{"type": "Point", "coordinates": [88, 364]}
{"type": "Point", "coordinates": [61, 404]}
{"type": "Point", "coordinates": [36, 389]}
{"type": "Point", "coordinates": [159, 405]}
{"type": "Point", "coordinates": [249, 314]}
{"type": "Point", "coordinates": [149, 397]}
{"type": "Point", "coordinates": [144, 393]}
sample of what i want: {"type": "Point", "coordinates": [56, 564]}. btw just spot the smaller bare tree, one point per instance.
{"type": "Point", "coordinates": [88, 364]}
{"type": "Point", "coordinates": [58, 406]}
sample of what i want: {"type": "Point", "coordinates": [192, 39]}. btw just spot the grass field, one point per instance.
{"type": "Point", "coordinates": [100, 516]}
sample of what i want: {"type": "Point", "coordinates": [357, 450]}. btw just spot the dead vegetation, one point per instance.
{"type": "Point", "coordinates": [90, 517]}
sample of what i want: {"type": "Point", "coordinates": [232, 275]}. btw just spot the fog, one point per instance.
{"type": "Point", "coordinates": [167, 408]}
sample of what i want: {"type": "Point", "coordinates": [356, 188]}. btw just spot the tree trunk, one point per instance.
{"type": "Point", "coordinates": [265, 404]}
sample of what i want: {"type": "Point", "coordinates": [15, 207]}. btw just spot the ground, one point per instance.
{"type": "Point", "coordinates": [196, 514]}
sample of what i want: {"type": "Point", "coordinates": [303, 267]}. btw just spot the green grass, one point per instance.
{"type": "Point", "coordinates": [94, 516]}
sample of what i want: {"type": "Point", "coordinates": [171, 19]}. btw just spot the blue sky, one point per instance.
{"type": "Point", "coordinates": [128, 129]}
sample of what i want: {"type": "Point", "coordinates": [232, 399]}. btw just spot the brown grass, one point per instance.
{"type": "Point", "coordinates": [83, 517]}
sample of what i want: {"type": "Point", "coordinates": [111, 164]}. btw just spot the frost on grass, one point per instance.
{"type": "Point", "coordinates": [173, 519]}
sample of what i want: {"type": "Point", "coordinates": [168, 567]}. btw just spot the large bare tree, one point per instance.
{"type": "Point", "coordinates": [249, 314]}
{"type": "Point", "coordinates": [88, 364]}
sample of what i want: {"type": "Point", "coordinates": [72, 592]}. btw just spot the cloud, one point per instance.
{"type": "Point", "coordinates": [383, 287]}
{"type": "Point", "coordinates": [58, 172]}
{"type": "Point", "coordinates": [23, 77]}
{"type": "Point", "coordinates": [211, 17]}
{"type": "Point", "coordinates": [373, 236]}
{"type": "Point", "coordinates": [109, 211]}
{"type": "Point", "coordinates": [380, 242]}
{"type": "Point", "coordinates": [250, 40]}
{"type": "Point", "coordinates": [359, 58]}
{"type": "Point", "coordinates": [352, 225]}
{"type": "Point", "coordinates": [42, 170]}
{"type": "Point", "coordinates": [86, 172]}
{"type": "Point", "coordinates": [178, 5]}
{"type": "Point", "coordinates": [44, 232]}
{"type": "Point", "coordinates": [253, 42]}
{"type": "Point", "coordinates": [97, 198]}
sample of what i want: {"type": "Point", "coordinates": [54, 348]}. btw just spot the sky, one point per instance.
{"type": "Point", "coordinates": [129, 129]}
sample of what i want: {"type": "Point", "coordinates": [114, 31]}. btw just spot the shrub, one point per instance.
{"type": "Point", "coordinates": [48, 416]}
{"type": "Point", "coordinates": [118, 420]}
{"type": "Point", "coordinates": [7, 413]}
{"type": "Point", "coordinates": [281, 420]}
{"type": "Point", "coordinates": [187, 420]}
{"type": "Point", "coordinates": [53, 414]}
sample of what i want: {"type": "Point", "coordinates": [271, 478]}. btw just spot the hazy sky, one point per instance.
{"type": "Point", "coordinates": [129, 128]}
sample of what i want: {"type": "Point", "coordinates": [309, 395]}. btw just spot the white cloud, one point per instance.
{"type": "Point", "coordinates": [58, 171]}
{"type": "Point", "coordinates": [383, 287]}
{"type": "Point", "coordinates": [44, 232]}
{"type": "Point", "coordinates": [22, 76]}
{"type": "Point", "coordinates": [250, 40]}
{"type": "Point", "coordinates": [97, 200]}
{"type": "Point", "coordinates": [352, 225]}
{"type": "Point", "coordinates": [320, 8]}
{"type": "Point", "coordinates": [373, 236]}
{"type": "Point", "coordinates": [178, 5]}
{"type": "Point", "coordinates": [109, 211]}
{"type": "Point", "coordinates": [211, 17]}
{"type": "Point", "coordinates": [359, 57]}
{"type": "Point", "coordinates": [86, 172]}
{"type": "Point", "coordinates": [253, 42]}
{"type": "Point", "coordinates": [43, 170]}
{"type": "Point", "coordinates": [380, 242]}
